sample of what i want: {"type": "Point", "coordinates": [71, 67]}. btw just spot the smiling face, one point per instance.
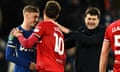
{"type": "Point", "coordinates": [32, 18]}
{"type": "Point", "coordinates": [31, 15]}
{"type": "Point", "coordinates": [91, 21]}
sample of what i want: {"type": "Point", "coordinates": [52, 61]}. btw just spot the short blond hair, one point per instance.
{"type": "Point", "coordinates": [31, 8]}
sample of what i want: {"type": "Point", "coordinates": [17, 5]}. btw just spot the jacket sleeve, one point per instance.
{"type": "Point", "coordinates": [11, 54]}
{"type": "Point", "coordinates": [69, 42]}
{"type": "Point", "coordinates": [95, 39]}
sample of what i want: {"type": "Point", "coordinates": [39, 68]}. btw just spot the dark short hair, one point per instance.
{"type": "Point", "coordinates": [30, 8]}
{"type": "Point", "coordinates": [92, 11]}
{"type": "Point", "coordinates": [52, 9]}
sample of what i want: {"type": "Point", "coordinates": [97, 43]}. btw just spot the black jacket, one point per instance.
{"type": "Point", "coordinates": [88, 44]}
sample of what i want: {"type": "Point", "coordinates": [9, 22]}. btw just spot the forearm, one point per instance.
{"type": "Point", "coordinates": [103, 63]}
{"type": "Point", "coordinates": [11, 56]}
{"type": "Point", "coordinates": [104, 56]}
{"type": "Point", "coordinates": [63, 29]}
{"type": "Point", "coordinates": [27, 43]}
{"type": "Point", "coordinates": [85, 39]}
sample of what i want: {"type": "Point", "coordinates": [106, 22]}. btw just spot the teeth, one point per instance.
{"type": "Point", "coordinates": [91, 24]}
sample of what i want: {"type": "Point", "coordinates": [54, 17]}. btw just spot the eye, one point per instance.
{"type": "Point", "coordinates": [35, 16]}
{"type": "Point", "coordinates": [89, 18]}
{"type": "Point", "coordinates": [94, 19]}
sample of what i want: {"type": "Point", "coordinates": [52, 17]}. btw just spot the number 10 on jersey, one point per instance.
{"type": "Point", "coordinates": [59, 44]}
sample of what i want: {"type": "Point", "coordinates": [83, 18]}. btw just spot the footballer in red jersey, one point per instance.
{"type": "Point", "coordinates": [51, 47]}
{"type": "Point", "coordinates": [49, 41]}
{"type": "Point", "coordinates": [111, 39]}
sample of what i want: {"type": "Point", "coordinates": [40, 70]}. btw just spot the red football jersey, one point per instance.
{"type": "Point", "coordinates": [51, 54]}
{"type": "Point", "coordinates": [112, 34]}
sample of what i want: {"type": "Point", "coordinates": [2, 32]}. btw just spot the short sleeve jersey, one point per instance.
{"type": "Point", "coordinates": [112, 34]}
{"type": "Point", "coordinates": [50, 48]}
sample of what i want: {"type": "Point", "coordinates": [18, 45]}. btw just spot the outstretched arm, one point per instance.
{"type": "Point", "coordinates": [27, 43]}
{"type": "Point", "coordinates": [104, 56]}
{"type": "Point", "coordinates": [63, 29]}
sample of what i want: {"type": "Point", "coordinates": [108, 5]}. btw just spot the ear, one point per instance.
{"type": "Point", "coordinates": [27, 15]}
{"type": "Point", "coordinates": [57, 16]}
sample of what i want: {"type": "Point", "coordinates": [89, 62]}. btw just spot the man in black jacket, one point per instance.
{"type": "Point", "coordinates": [88, 41]}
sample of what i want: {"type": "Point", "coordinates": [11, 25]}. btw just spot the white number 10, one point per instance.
{"type": "Point", "coordinates": [58, 43]}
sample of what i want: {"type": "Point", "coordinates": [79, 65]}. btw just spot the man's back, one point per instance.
{"type": "Point", "coordinates": [50, 50]}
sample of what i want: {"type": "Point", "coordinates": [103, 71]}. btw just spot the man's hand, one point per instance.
{"type": "Point", "coordinates": [32, 66]}
{"type": "Point", "coordinates": [62, 28]}
{"type": "Point", "coordinates": [15, 32]}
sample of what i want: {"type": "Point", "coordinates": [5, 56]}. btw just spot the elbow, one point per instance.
{"type": "Point", "coordinates": [8, 57]}
{"type": "Point", "coordinates": [10, 54]}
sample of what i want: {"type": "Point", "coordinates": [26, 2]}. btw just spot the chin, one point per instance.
{"type": "Point", "coordinates": [33, 25]}
{"type": "Point", "coordinates": [91, 28]}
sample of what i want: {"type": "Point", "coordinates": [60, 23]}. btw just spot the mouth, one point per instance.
{"type": "Point", "coordinates": [91, 24]}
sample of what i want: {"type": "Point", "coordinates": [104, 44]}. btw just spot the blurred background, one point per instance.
{"type": "Point", "coordinates": [71, 17]}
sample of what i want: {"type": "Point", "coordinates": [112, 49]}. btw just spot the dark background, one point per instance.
{"type": "Point", "coordinates": [71, 16]}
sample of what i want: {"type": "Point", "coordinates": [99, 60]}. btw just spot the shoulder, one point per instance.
{"type": "Point", "coordinates": [19, 27]}
{"type": "Point", "coordinates": [113, 24]}
{"type": "Point", "coordinates": [12, 39]}
{"type": "Point", "coordinates": [43, 24]}
{"type": "Point", "coordinates": [40, 23]}
{"type": "Point", "coordinates": [102, 28]}
{"type": "Point", "coordinates": [80, 28]}
{"type": "Point", "coordinates": [10, 36]}
{"type": "Point", "coordinates": [78, 31]}
{"type": "Point", "coordinates": [117, 21]}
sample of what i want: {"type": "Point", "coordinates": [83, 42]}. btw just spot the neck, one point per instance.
{"type": "Point", "coordinates": [47, 18]}
{"type": "Point", "coordinates": [26, 26]}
